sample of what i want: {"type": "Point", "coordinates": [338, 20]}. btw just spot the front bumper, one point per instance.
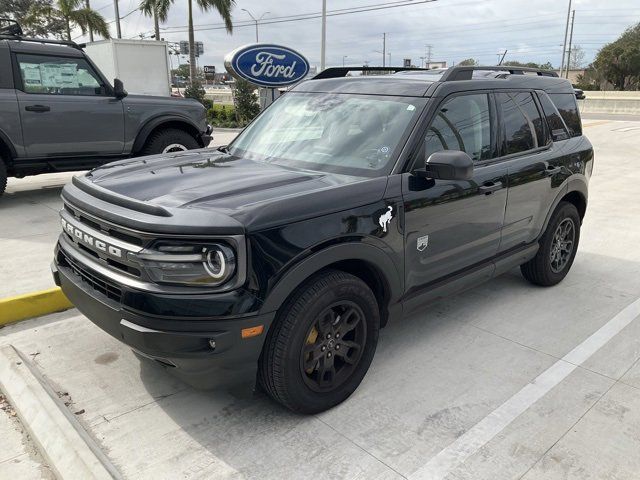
{"type": "Point", "coordinates": [206, 137]}
{"type": "Point", "coordinates": [203, 352]}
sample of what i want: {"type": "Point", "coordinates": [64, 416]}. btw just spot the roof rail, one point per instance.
{"type": "Point", "coordinates": [20, 38]}
{"type": "Point", "coordinates": [10, 27]}
{"type": "Point", "coordinates": [466, 72]}
{"type": "Point", "coordinates": [337, 72]}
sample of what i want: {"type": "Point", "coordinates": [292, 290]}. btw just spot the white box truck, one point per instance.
{"type": "Point", "coordinates": [142, 65]}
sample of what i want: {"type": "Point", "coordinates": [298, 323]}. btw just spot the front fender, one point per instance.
{"type": "Point", "coordinates": [372, 255]}
{"type": "Point", "coordinates": [145, 130]}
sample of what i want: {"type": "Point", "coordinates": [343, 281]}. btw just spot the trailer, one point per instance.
{"type": "Point", "coordinates": [142, 65]}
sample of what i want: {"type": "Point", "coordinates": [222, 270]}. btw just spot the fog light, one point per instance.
{"type": "Point", "coordinates": [212, 344]}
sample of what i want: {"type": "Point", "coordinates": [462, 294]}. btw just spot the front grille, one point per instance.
{"type": "Point", "coordinates": [104, 227]}
{"type": "Point", "coordinates": [95, 281]}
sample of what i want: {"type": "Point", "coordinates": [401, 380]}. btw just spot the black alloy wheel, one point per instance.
{"type": "Point", "coordinates": [334, 346]}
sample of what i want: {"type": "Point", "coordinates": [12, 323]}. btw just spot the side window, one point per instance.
{"type": "Point", "coordinates": [568, 108]}
{"type": "Point", "coordinates": [58, 75]}
{"type": "Point", "coordinates": [523, 128]}
{"type": "Point", "coordinates": [554, 120]}
{"type": "Point", "coordinates": [462, 123]}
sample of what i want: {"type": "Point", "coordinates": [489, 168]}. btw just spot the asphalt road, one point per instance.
{"type": "Point", "coordinates": [504, 381]}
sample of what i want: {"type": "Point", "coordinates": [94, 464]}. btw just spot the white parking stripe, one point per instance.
{"type": "Point", "coordinates": [481, 433]}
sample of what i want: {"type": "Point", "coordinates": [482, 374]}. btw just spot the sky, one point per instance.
{"type": "Point", "coordinates": [530, 30]}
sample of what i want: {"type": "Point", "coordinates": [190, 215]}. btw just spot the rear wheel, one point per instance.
{"type": "Point", "coordinates": [558, 248]}
{"type": "Point", "coordinates": [169, 140]}
{"type": "Point", "coordinates": [3, 176]}
{"type": "Point", "coordinates": [322, 343]}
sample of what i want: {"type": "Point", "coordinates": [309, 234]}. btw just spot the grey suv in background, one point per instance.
{"type": "Point", "coordinates": [59, 113]}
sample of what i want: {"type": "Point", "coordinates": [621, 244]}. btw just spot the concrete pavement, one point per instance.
{"type": "Point", "coordinates": [447, 383]}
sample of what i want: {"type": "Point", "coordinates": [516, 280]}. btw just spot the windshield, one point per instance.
{"type": "Point", "coordinates": [340, 133]}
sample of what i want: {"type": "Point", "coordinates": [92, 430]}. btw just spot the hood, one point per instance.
{"type": "Point", "coordinates": [257, 194]}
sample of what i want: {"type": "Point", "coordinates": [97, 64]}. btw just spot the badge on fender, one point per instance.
{"type": "Point", "coordinates": [385, 218]}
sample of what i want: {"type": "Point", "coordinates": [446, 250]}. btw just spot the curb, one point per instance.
{"type": "Point", "coordinates": [30, 305]}
{"type": "Point", "coordinates": [65, 445]}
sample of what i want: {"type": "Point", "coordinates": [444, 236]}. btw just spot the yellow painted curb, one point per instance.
{"type": "Point", "coordinates": [30, 305]}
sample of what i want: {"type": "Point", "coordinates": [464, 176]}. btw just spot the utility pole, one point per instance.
{"type": "Point", "coordinates": [504, 54]}
{"type": "Point", "coordinates": [564, 45]}
{"type": "Point", "coordinates": [343, 59]}
{"type": "Point", "coordinates": [384, 49]}
{"type": "Point", "coordinates": [117, 9]}
{"type": "Point", "coordinates": [427, 54]}
{"type": "Point", "coordinates": [324, 35]}
{"type": "Point", "coordinates": [573, 17]}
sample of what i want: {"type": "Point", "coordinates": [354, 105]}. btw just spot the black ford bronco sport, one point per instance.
{"type": "Point", "coordinates": [347, 203]}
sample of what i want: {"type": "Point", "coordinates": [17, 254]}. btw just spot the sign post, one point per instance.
{"type": "Point", "coordinates": [269, 66]}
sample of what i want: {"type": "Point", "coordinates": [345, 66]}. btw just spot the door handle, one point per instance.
{"type": "Point", "coordinates": [37, 108]}
{"type": "Point", "coordinates": [489, 187]}
{"type": "Point", "coordinates": [550, 171]}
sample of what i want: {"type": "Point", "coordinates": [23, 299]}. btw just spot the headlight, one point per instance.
{"type": "Point", "coordinates": [188, 263]}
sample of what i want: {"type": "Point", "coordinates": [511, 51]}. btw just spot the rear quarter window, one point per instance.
{"type": "Point", "coordinates": [568, 108]}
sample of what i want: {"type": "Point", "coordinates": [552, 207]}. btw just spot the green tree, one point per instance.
{"type": "Point", "coordinates": [223, 7]}
{"type": "Point", "coordinates": [18, 10]}
{"type": "Point", "coordinates": [181, 71]}
{"type": "Point", "coordinates": [542, 66]}
{"type": "Point", "coordinates": [245, 101]}
{"type": "Point", "coordinates": [159, 10]}
{"type": "Point", "coordinates": [195, 90]}
{"type": "Point", "coordinates": [472, 62]}
{"type": "Point", "coordinates": [72, 13]}
{"type": "Point", "coordinates": [619, 61]}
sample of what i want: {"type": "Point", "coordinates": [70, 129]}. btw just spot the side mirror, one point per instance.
{"type": "Point", "coordinates": [118, 88]}
{"type": "Point", "coordinates": [448, 165]}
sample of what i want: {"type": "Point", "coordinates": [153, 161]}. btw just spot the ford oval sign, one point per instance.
{"type": "Point", "coordinates": [267, 65]}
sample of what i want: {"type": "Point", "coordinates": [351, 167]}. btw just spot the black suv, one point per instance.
{"type": "Point", "coordinates": [347, 203]}
{"type": "Point", "coordinates": [59, 113]}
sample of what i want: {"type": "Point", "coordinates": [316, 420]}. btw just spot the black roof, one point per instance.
{"type": "Point", "coordinates": [427, 83]}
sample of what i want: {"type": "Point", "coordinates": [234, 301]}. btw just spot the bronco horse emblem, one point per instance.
{"type": "Point", "coordinates": [385, 219]}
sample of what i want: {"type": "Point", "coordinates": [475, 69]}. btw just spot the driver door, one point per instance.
{"type": "Point", "coordinates": [453, 226]}
{"type": "Point", "coordinates": [65, 108]}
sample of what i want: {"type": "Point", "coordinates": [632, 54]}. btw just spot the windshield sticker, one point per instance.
{"type": "Point", "coordinates": [411, 108]}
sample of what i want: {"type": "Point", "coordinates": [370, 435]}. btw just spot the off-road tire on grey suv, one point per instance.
{"type": "Point", "coordinates": [3, 176]}
{"type": "Point", "coordinates": [328, 322]}
{"type": "Point", "coordinates": [558, 247]}
{"type": "Point", "coordinates": [163, 140]}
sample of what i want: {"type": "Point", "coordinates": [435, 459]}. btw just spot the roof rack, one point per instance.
{"type": "Point", "coordinates": [11, 30]}
{"type": "Point", "coordinates": [466, 72]}
{"type": "Point", "coordinates": [337, 72]}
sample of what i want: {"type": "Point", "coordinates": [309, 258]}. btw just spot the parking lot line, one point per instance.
{"type": "Point", "coordinates": [481, 433]}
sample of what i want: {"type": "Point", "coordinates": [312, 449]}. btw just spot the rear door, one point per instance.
{"type": "Point", "coordinates": [66, 108]}
{"type": "Point", "coordinates": [534, 174]}
{"type": "Point", "coordinates": [451, 226]}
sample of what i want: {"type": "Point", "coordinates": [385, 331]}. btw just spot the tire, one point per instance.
{"type": "Point", "coordinates": [550, 266]}
{"type": "Point", "coordinates": [311, 386]}
{"type": "Point", "coordinates": [164, 139]}
{"type": "Point", "coordinates": [3, 177]}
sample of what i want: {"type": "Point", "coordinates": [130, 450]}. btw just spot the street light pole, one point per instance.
{"type": "Point", "coordinates": [343, 59]}
{"type": "Point", "coordinates": [117, 12]}
{"type": "Point", "coordinates": [573, 17]}
{"type": "Point", "coordinates": [384, 49]}
{"type": "Point", "coordinates": [255, 20]}
{"type": "Point", "coordinates": [324, 35]}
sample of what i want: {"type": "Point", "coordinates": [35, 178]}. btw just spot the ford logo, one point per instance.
{"type": "Point", "coordinates": [267, 65]}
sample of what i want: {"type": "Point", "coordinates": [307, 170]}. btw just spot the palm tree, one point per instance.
{"type": "Point", "coordinates": [160, 8]}
{"type": "Point", "coordinates": [73, 13]}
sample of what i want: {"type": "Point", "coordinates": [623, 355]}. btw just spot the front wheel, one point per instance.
{"type": "Point", "coordinates": [169, 140]}
{"type": "Point", "coordinates": [558, 248]}
{"type": "Point", "coordinates": [3, 176]}
{"type": "Point", "coordinates": [322, 343]}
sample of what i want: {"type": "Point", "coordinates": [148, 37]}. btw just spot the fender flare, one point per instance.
{"type": "Point", "coordinates": [4, 139]}
{"type": "Point", "coordinates": [153, 123]}
{"type": "Point", "coordinates": [300, 272]}
{"type": "Point", "coordinates": [576, 183]}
